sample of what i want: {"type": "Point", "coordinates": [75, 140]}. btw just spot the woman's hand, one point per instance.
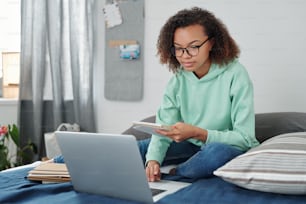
{"type": "Point", "coordinates": [182, 131]}
{"type": "Point", "coordinates": [153, 171]}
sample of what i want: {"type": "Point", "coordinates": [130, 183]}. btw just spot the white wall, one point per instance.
{"type": "Point", "coordinates": [8, 116]}
{"type": "Point", "coordinates": [8, 111]}
{"type": "Point", "coordinates": [272, 39]}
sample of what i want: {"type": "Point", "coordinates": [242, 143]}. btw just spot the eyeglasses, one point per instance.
{"type": "Point", "coordinates": [191, 50]}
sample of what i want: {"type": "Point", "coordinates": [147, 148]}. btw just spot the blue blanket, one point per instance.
{"type": "Point", "coordinates": [15, 188]}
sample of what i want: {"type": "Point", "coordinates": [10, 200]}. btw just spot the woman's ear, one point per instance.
{"type": "Point", "coordinates": [211, 43]}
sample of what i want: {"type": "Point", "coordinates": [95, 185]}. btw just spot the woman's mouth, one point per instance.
{"type": "Point", "coordinates": [187, 64]}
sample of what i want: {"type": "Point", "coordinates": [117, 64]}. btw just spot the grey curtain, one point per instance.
{"type": "Point", "coordinates": [56, 79]}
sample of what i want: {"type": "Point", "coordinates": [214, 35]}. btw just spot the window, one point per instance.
{"type": "Point", "coordinates": [10, 70]}
{"type": "Point", "coordinates": [9, 47]}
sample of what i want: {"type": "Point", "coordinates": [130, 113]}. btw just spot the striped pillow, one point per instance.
{"type": "Point", "coordinates": [278, 165]}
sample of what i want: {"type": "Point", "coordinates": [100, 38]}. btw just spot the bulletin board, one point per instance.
{"type": "Point", "coordinates": [124, 56]}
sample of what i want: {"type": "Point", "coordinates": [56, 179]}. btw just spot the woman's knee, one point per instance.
{"type": "Point", "coordinates": [217, 154]}
{"type": "Point", "coordinates": [143, 147]}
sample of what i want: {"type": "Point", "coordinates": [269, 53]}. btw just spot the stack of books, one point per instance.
{"type": "Point", "coordinates": [49, 173]}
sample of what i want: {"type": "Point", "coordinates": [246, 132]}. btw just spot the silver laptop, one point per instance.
{"type": "Point", "coordinates": [110, 165]}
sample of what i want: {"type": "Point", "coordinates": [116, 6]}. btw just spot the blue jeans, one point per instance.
{"type": "Point", "coordinates": [193, 161]}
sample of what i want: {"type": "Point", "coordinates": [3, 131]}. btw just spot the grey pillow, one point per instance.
{"type": "Point", "coordinates": [271, 124]}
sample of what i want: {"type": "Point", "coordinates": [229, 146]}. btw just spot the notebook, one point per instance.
{"type": "Point", "coordinates": [110, 165]}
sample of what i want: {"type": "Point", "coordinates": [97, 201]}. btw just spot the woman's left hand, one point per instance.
{"type": "Point", "coordinates": [182, 131]}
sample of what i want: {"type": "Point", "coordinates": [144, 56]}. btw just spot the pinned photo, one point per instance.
{"type": "Point", "coordinates": [130, 52]}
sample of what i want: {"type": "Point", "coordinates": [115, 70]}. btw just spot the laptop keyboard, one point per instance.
{"type": "Point", "coordinates": [156, 191]}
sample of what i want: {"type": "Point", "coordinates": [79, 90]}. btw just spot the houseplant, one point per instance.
{"type": "Point", "coordinates": [23, 153]}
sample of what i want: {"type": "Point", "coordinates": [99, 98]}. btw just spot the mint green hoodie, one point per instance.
{"type": "Point", "coordinates": [220, 102]}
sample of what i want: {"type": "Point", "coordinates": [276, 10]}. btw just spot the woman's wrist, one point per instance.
{"type": "Point", "coordinates": [200, 134]}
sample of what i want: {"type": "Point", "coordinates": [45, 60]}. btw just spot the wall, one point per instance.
{"type": "Point", "coordinates": [272, 40]}
{"type": "Point", "coordinates": [115, 116]}
{"type": "Point", "coordinates": [271, 36]}
{"type": "Point", "coordinates": [8, 111]}
{"type": "Point", "coordinates": [8, 115]}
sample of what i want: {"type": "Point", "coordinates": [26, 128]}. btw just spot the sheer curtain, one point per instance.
{"type": "Point", "coordinates": [56, 82]}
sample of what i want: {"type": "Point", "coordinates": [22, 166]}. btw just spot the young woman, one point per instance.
{"type": "Point", "coordinates": [208, 102]}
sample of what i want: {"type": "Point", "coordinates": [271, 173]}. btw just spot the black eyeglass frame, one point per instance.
{"type": "Point", "coordinates": [186, 49]}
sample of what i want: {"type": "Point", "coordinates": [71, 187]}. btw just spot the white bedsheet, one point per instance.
{"type": "Point", "coordinates": [34, 164]}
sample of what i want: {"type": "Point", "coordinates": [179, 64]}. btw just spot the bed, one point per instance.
{"type": "Point", "coordinates": [271, 129]}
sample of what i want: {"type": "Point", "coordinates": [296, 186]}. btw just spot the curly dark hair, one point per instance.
{"type": "Point", "coordinates": [223, 51]}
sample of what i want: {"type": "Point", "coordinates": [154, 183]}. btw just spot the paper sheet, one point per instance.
{"type": "Point", "coordinates": [112, 15]}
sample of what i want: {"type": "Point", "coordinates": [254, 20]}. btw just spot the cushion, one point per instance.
{"type": "Point", "coordinates": [278, 165]}
{"type": "Point", "coordinates": [271, 124]}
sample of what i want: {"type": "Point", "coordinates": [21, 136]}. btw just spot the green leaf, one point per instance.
{"type": "Point", "coordinates": [23, 155]}
{"type": "Point", "coordinates": [4, 163]}
{"type": "Point", "coordinates": [34, 148]}
{"type": "Point", "coordinates": [14, 133]}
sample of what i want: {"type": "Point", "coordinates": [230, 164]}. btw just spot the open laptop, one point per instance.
{"type": "Point", "coordinates": [110, 165]}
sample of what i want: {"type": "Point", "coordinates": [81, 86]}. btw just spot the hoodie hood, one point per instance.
{"type": "Point", "coordinates": [214, 71]}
